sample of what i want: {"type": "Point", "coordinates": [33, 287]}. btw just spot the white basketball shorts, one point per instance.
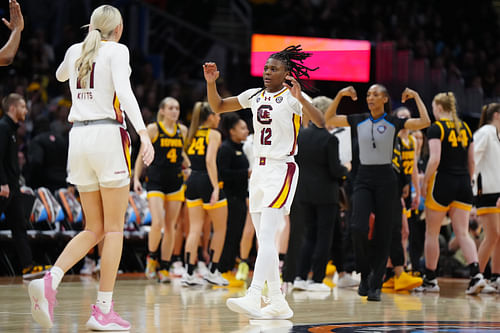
{"type": "Point", "coordinates": [272, 184]}
{"type": "Point", "coordinates": [98, 154]}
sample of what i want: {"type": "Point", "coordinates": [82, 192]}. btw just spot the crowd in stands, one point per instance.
{"type": "Point", "coordinates": [467, 52]}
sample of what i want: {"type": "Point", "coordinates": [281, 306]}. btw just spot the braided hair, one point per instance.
{"type": "Point", "coordinates": [293, 57]}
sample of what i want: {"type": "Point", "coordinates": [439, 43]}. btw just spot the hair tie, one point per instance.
{"type": "Point", "coordinates": [99, 31]}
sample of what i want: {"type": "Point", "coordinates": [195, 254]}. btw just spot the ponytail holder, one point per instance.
{"type": "Point", "coordinates": [99, 31]}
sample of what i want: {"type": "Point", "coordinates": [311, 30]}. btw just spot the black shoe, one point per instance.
{"type": "Point", "coordinates": [363, 287]}
{"type": "Point", "coordinates": [374, 295]}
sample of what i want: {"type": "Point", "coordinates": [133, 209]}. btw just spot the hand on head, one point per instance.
{"type": "Point", "coordinates": [293, 85]}
{"type": "Point", "coordinates": [210, 72]}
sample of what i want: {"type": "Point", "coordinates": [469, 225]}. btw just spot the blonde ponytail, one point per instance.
{"type": "Point", "coordinates": [103, 21]}
{"type": "Point", "coordinates": [201, 111]}
{"type": "Point", "coordinates": [449, 104]}
{"type": "Point", "coordinates": [85, 62]}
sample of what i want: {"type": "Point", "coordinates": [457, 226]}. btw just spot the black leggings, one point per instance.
{"type": "Point", "coordinates": [397, 254]}
{"type": "Point", "coordinates": [416, 240]}
{"type": "Point", "coordinates": [375, 190]}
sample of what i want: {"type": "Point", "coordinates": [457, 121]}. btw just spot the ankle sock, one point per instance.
{"type": "Point", "coordinates": [165, 264]}
{"type": "Point", "coordinates": [430, 274]}
{"type": "Point", "coordinates": [57, 275]}
{"type": "Point", "coordinates": [473, 269]}
{"type": "Point", "coordinates": [104, 299]}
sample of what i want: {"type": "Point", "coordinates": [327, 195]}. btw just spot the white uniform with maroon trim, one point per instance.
{"type": "Point", "coordinates": [276, 122]}
{"type": "Point", "coordinates": [100, 154]}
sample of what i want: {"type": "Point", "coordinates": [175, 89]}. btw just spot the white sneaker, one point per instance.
{"type": "Point", "coordinates": [249, 305]}
{"type": "Point", "coordinates": [476, 284]}
{"type": "Point", "coordinates": [299, 284]}
{"type": "Point", "coordinates": [177, 269]}
{"type": "Point", "coordinates": [201, 269]}
{"type": "Point", "coordinates": [347, 281]}
{"type": "Point", "coordinates": [215, 278]}
{"type": "Point", "coordinates": [488, 289]}
{"type": "Point", "coordinates": [278, 309]}
{"type": "Point", "coordinates": [430, 286]}
{"type": "Point", "coordinates": [496, 284]}
{"type": "Point", "coordinates": [43, 300]}
{"type": "Point", "coordinates": [88, 267]}
{"type": "Point", "coordinates": [315, 286]}
{"type": "Point", "coordinates": [191, 280]}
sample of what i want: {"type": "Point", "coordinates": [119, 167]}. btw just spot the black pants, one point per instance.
{"type": "Point", "coordinates": [374, 191]}
{"type": "Point", "coordinates": [319, 221]}
{"type": "Point", "coordinates": [338, 243]}
{"type": "Point", "coordinates": [295, 242]}
{"type": "Point", "coordinates": [416, 240]}
{"type": "Point", "coordinates": [397, 254]}
{"type": "Point", "coordinates": [15, 216]}
{"type": "Point", "coordinates": [236, 215]}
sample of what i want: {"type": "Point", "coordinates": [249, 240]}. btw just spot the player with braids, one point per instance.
{"type": "Point", "coordinates": [447, 189]}
{"type": "Point", "coordinates": [277, 114]}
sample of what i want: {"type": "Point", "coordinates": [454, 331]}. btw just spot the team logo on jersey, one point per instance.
{"type": "Point", "coordinates": [279, 99]}
{"type": "Point", "coordinates": [381, 128]}
{"type": "Point", "coordinates": [264, 114]}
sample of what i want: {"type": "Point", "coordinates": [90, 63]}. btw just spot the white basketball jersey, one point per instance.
{"type": "Point", "coordinates": [108, 92]}
{"type": "Point", "coordinates": [276, 121]}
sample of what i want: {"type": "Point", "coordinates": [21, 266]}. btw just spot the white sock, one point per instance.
{"type": "Point", "coordinates": [256, 287]}
{"type": "Point", "coordinates": [104, 299]}
{"type": "Point", "coordinates": [274, 288]}
{"type": "Point", "coordinates": [57, 275]}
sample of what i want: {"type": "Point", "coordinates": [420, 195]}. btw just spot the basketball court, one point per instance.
{"type": "Point", "coordinates": [154, 307]}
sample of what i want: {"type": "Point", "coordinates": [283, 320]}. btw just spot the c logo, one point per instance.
{"type": "Point", "coordinates": [264, 114]}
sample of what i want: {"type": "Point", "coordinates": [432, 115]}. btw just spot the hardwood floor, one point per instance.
{"type": "Point", "coordinates": [154, 307]}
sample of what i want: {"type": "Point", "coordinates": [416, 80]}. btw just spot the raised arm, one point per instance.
{"type": "Point", "coordinates": [331, 116]}
{"type": "Point", "coordinates": [416, 123]}
{"type": "Point", "coordinates": [16, 25]}
{"type": "Point", "coordinates": [217, 103]}
{"type": "Point", "coordinates": [315, 115]}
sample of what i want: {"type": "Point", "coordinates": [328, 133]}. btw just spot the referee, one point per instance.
{"type": "Point", "coordinates": [375, 185]}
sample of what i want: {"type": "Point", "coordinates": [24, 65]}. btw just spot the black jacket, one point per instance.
{"type": "Point", "coordinates": [47, 160]}
{"type": "Point", "coordinates": [9, 163]}
{"type": "Point", "coordinates": [320, 170]}
{"type": "Point", "coordinates": [233, 168]}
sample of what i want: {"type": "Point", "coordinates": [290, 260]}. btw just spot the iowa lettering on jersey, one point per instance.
{"type": "Point", "coordinates": [168, 142]}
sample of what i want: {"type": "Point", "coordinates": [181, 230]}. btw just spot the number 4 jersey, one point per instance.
{"type": "Point", "coordinates": [454, 145]}
{"type": "Point", "coordinates": [276, 121]}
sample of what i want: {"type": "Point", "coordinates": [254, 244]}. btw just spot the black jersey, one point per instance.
{"type": "Point", "coordinates": [168, 148]}
{"type": "Point", "coordinates": [454, 145]}
{"type": "Point", "coordinates": [197, 149]}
